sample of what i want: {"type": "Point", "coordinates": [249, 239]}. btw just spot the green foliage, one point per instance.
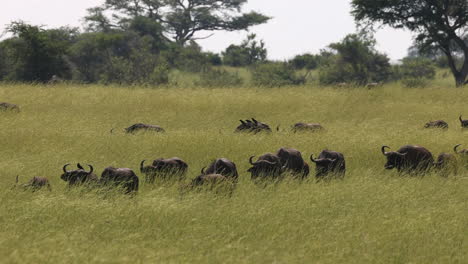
{"type": "Point", "coordinates": [35, 54]}
{"type": "Point", "coordinates": [414, 82]}
{"type": "Point", "coordinates": [219, 78]}
{"type": "Point", "coordinates": [355, 60]}
{"type": "Point", "coordinates": [417, 68]}
{"type": "Point", "coordinates": [182, 20]}
{"type": "Point", "coordinates": [305, 61]}
{"type": "Point", "coordinates": [249, 52]}
{"type": "Point", "coordinates": [189, 58]}
{"type": "Point", "coordinates": [439, 24]}
{"type": "Point", "coordinates": [275, 75]}
{"type": "Point", "coordinates": [372, 216]}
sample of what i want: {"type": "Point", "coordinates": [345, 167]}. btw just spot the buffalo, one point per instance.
{"type": "Point", "coordinates": [36, 183]}
{"type": "Point", "coordinates": [252, 126]}
{"type": "Point", "coordinates": [9, 107]}
{"type": "Point", "coordinates": [142, 127]}
{"type": "Point", "coordinates": [211, 179]}
{"type": "Point", "coordinates": [274, 165]}
{"type": "Point", "coordinates": [79, 176]}
{"type": "Point", "coordinates": [436, 124]}
{"type": "Point", "coordinates": [409, 159]}
{"type": "Point", "coordinates": [329, 163]}
{"type": "Point", "coordinates": [123, 177]}
{"type": "Point", "coordinates": [267, 166]}
{"type": "Point", "coordinates": [446, 164]}
{"type": "Point", "coordinates": [463, 154]}
{"type": "Point", "coordinates": [464, 123]}
{"type": "Point", "coordinates": [312, 127]}
{"type": "Point", "coordinates": [292, 160]}
{"type": "Point", "coordinates": [214, 182]}
{"type": "Point", "coordinates": [164, 168]}
{"type": "Point", "coordinates": [224, 167]}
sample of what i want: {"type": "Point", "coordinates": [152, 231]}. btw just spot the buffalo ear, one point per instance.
{"type": "Point", "coordinates": [79, 166]}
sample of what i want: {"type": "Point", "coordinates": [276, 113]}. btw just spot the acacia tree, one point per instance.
{"type": "Point", "coordinates": [442, 24]}
{"type": "Point", "coordinates": [181, 19]}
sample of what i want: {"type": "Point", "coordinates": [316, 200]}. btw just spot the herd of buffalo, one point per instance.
{"type": "Point", "coordinates": [410, 159]}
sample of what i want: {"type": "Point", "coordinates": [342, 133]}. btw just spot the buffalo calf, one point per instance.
{"type": "Point", "coordinates": [36, 183]}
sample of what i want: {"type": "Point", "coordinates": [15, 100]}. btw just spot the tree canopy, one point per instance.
{"type": "Point", "coordinates": [181, 20]}
{"type": "Point", "coordinates": [437, 23]}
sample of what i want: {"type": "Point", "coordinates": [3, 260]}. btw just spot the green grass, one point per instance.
{"type": "Point", "coordinates": [373, 216]}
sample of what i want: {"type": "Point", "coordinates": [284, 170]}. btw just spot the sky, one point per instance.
{"type": "Point", "coordinates": [298, 26]}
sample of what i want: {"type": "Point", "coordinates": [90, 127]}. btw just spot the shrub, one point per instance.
{"type": "Point", "coordinates": [219, 78]}
{"type": "Point", "coordinates": [417, 68]}
{"type": "Point", "coordinates": [305, 61]}
{"type": "Point", "coordinates": [275, 75]}
{"type": "Point", "coordinates": [414, 82]}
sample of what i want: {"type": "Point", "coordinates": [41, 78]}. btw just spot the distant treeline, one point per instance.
{"type": "Point", "coordinates": [140, 55]}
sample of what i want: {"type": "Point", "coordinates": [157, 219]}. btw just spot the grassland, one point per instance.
{"type": "Point", "coordinates": [373, 216]}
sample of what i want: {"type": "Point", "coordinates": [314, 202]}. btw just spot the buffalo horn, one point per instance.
{"type": "Point", "coordinates": [91, 169]}
{"type": "Point", "coordinates": [251, 161]}
{"type": "Point", "coordinates": [383, 150]}
{"type": "Point", "coordinates": [65, 167]}
{"type": "Point", "coordinates": [456, 147]}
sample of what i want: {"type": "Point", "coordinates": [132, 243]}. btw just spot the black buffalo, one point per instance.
{"type": "Point", "coordinates": [208, 179]}
{"type": "Point", "coordinates": [293, 162]}
{"type": "Point", "coordinates": [36, 183]}
{"type": "Point", "coordinates": [123, 177]}
{"type": "Point", "coordinates": [214, 182]}
{"type": "Point", "coordinates": [446, 164]}
{"type": "Point", "coordinates": [463, 154]}
{"type": "Point", "coordinates": [268, 166]}
{"type": "Point", "coordinates": [252, 126]}
{"type": "Point", "coordinates": [464, 123]}
{"type": "Point", "coordinates": [9, 107]}
{"type": "Point", "coordinates": [329, 163]}
{"type": "Point", "coordinates": [409, 158]}
{"type": "Point", "coordinates": [436, 124]}
{"type": "Point", "coordinates": [142, 127]}
{"type": "Point", "coordinates": [312, 127]}
{"type": "Point", "coordinates": [164, 168]}
{"type": "Point", "coordinates": [79, 176]}
{"type": "Point", "coordinates": [224, 167]}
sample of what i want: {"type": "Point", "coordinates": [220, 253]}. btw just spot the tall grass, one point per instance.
{"type": "Point", "coordinates": [373, 216]}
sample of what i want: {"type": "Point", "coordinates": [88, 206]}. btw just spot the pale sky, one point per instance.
{"type": "Point", "coordinates": [298, 26]}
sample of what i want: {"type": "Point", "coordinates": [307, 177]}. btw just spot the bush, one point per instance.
{"type": "Point", "coordinates": [415, 68]}
{"type": "Point", "coordinates": [415, 82]}
{"type": "Point", "coordinates": [275, 75]}
{"type": "Point", "coordinates": [355, 60]}
{"type": "Point", "coordinates": [219, 78]}
{"type": "Point", "coordinates": [305, 61]}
